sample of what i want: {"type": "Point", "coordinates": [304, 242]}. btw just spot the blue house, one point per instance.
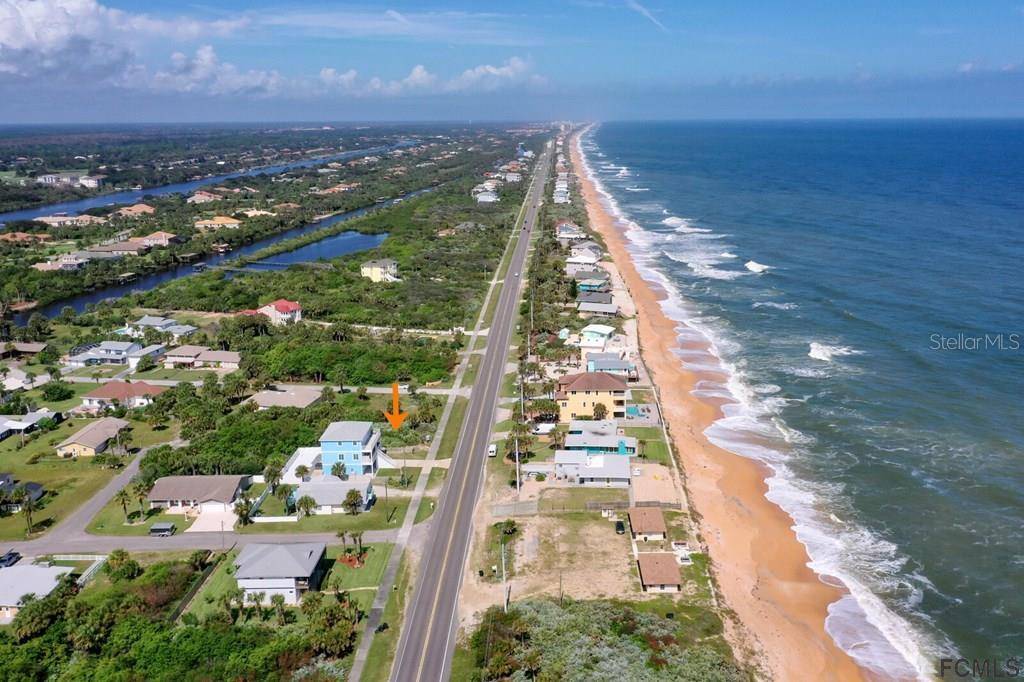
{"type": "Point", "coordinates": [354, 444]}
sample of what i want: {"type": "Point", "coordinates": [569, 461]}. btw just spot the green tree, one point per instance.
{"type": "Point", "coordinates": [338, 470]}
{"type": "Point", "coordinates": [353, 503]}
{"type": "Point", "coordinates": [600, 411]}
{"type": "Point", "coordinates": [243, 510]}
{"type": "Point", "coordinates": [272, 476]}
{"type": "Point", "coordinates": [305, 506]}
{"type": "Point", "coordinates": [277, 601]}
{"type": "Point", "coordinates": [123, 497]}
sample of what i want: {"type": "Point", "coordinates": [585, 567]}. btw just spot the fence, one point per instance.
{"type": "Point", "coordinates": [197, 585]}
{"type": "Point", "coordinates": [97, 563]}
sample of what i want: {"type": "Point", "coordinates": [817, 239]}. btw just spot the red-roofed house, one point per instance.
{"type": "Point", "coordinates": [577, 394]}
{"type": "Point", "coordinates": [281, 311]}
{"type": "Point", "coordinates": [130, 395]}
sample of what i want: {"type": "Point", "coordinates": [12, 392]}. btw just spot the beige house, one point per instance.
{"type": "Point", "coordinates": [218, 222]}
{"type": "Point", "coordinates": [647, 523]}
{"type": "Point", "coordinates": [659, 572]}
{"type": "Point", "coordinates": [136, 210]}
{"type": "Point", "coordinates": [183, 494]}
{"type": "Point", "coordinates": [383, 270]}
{"type": "Point", "coordinates": [93, 438]}
{"type": "Point", "coordinates": [578, 394]}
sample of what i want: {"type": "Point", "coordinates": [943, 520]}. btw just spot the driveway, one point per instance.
{"type": "Point", "coordinates": [213, 521]}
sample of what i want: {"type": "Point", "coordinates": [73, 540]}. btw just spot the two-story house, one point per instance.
{"type": "Point", "coordinates": [599, 437]}
{"type": "Point", "coordinates": [104, 353]}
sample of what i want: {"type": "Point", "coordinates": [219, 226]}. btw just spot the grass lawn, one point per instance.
{"type": "Point", "coordinates": [472, 369]}
{"type": "Point", "coordinates": [68, 482]}
{"type": "Point", "coordinates": [344, 577]}
{"type": "Point", "coordinates": [173, 374]}
{"type": "Point", "coordinates": [379, 517]}
{"type": "Point", "coordinates": [451, 433]}
{"type": "Point", "coordinates": [382, 649]}
{"type": "Point", "coordinates": [104, 371]}
{"type": "Point", "coordinates": [575, 499]}
{"type": "Point", "coordinates": [496, 543]}
{"type": "Point", "coordinates": [436, 478]}
{"type": "Point", "coordinates": [655, 448]}
{"type": "Point", "coordinates": [219, 582]}
{"type": "Point", "coordinates": [110, 520]}
{"type": "Point", "coordinates": [426, 509]}
{"type": "Point", "coordinates": [271, 505]}
{"type": "Point", "coordinates": [383, 474]}
{"type": "Point", "coordinates": [36, 396]}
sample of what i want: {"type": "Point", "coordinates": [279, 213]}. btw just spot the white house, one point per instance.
{"type": "Point", "coordinates": [23, 579]}
{"type": "Point", "coordinates": [165, 325]}
{"type": "Point", "coordinates": [104, 353]}
{"type": "Point", "coordinates": [486, 198]}
{"type": "Point", "coordinates": [280, 312]}
{"type": "Point", "coordinates": [329, 492]}
{"type": "Point", "coordinates": [581, 263]}
{"type": "Point", "coordinates": [184, 494]}
{"type": "Point", "coordinates": [582, 468]}
{"type": "Point", "coordinates": [154, 351]}
{"type": "Point", "coordinates": [290, 569]}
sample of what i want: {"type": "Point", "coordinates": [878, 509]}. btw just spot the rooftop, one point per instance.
{"type": "Point", "coordinates": [658, 568]}
{"type": "Point", "coordinates": [201, 488]}
{"type": "Point", "coordinates": [21, 579]}
{"type": "Point", "coordinates": [123, 390]}
{"type": "Point", "coordinates": [346, 431]}
{"type": "Point", "coordinates": [291, 396]}
{"type": "Point", "coordinates": [647, 520]}
{"type": "Point", "coordinates": [591, 381]}
{"type": "Point", "coordinates": [96, 433]}
{"type": "Point", "coordinates": [293, 560]}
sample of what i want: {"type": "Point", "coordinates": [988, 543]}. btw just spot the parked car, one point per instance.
{"type": "Point", "coordinates": [9, 559]}
{"type": "Point", "coordinates": [162, 529]}
{"type": "Point", "coordinates": [492, 450]}
{"type": "Point", "coordinates": [620, 528]}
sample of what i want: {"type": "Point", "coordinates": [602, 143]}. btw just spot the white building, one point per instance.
{"type": "Point", "coordinates": [105, 353]}
{"type": "Point", "coordinates": [24, 579]}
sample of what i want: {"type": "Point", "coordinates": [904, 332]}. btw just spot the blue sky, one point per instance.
{"type": "Point", "coordinates": [94, 60]}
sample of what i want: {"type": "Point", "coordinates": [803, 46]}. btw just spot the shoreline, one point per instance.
{"type": "Point", "coordinates": [758, 562]}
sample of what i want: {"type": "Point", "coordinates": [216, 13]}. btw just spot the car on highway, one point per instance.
{"type": "Point", "coordinates": [9, 559]}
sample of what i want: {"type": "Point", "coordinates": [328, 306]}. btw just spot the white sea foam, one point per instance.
{"type": "Point", "coordinates": [825, 353]}
{"type": "Point", "coordinates": [638, 189]}
{"type": "Point", "coordinates": [726, 254]}
{"type": "Point", "coordinates": [847, 554]}
{"type": "Point", "coordinates": [774, 304]}
{"type": "Point", "coordinates": [756, 267]}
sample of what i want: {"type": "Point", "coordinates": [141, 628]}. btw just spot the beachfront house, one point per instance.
{"type": "Point", "coordinates": [578, 394]}
{"type": "Point", "coordinates": [647, 523]}
{"type": "Point", "coordinates": [585, 262]}
{"type": "Point", "coordinates": [612, 363]}
{"type": "Point", "coordinates": [587, 310]}
{"type": "Point", "coordinates": [17, 582]}
{"type": "Point", "coordinates": [597, 437]}
{"type": "Point", "coordinates": [381, 270]}
{"type": "Point", "coordinates": [103, 353]}
{"type": "Point", "coordinates": [595, 337]}
{"type": "Point", "coordinates": [586, 248]}
{"type": "Point", "coordinates": [120, 393]}
{"type": "Point", "coordinates": [659, 572]}
{"type": "Point", "coordinates": [194, 494]}
{"type": "Point", "coordinates": [594, 297]}
{"type": "Point", "coordinates": [287, 569]}
{"type": "Point", "coordinates": [93, 439]}
{"type": "Point", "coordinates": [595, 471]}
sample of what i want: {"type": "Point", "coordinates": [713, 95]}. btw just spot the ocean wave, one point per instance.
{"type": "Point", "coordinates": [756, 267]}
{"type": "Point", "coordinates": [637, 189]}
{"type": "Point", "coordinates": [751, 426]}
{"type": "Point", "coordinates": [684, 226]}
{"type": "Point", "coordinates": [726, 254]}
{"type": "Point", "coordinates": [775, 305]}
{"type": "Point", "coordinates": [825, 353]}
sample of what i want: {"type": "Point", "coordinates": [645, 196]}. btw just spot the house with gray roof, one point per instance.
{"type": "Point", "coordinates": [24, 579]}
{"type": "Point", "coordinates": [288, 569]}
{"type": "Point", "coordinates": [329, 492]}
{"type": "Point", "coordinates": [612, 363]}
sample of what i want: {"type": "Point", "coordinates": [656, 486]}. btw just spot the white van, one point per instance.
{"type": "Point", "coordinates": [492, 450]}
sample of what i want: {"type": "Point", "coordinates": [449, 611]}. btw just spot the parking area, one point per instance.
{"type": "Point", "coordinates": [213, 521]}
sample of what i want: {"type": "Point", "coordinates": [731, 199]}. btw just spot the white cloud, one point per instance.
{"type": "Point", "coordinates": [646, 13]}
{"type": "Point", "coordinates": [514, 72]}
{"type": "Point", "coordinates": [967, 67]}
{"type": "Point", "coordinates": [69, 39]}
{"type": "Point", "coordinates": [205, 73]}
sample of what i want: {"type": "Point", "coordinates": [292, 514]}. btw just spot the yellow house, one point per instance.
{"type": "Point", "coordinates": [93, 438]}
{"type": "Point", "coordinates": [383, 270]}
{"type": "Point", "coordinates": [578, 394]}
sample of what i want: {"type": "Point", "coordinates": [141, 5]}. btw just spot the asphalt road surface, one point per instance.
{"type": "Point", "coordinates": [428, 635]}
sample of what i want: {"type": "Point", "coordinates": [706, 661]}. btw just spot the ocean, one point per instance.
{"type": "Point", "coordinates": [860, 285]}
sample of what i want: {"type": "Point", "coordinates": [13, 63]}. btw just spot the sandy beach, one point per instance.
{"type": "Point", "coordinates": [760, 566]}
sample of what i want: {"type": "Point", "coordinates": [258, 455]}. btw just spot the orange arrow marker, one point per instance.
{"type": "Point", "coordinates": [395, 416]}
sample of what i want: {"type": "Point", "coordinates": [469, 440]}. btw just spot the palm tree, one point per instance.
{"type": "Point", "coordinates": [254, 599]}
{"type": "Point", "coordinates": [272, 476]}
{"type": "Point", "coordinates": [141, 488]}
{"type": "Point", "coordinates": [123, 497]}
{"type": "Point", "coordinates": [357, 537]}
{"type": "Point", "coordinates": [343, 536]}
{"type": "Point", "coordinates": [641, 448]}
{"type": "Point", "coordinates": [302, 471]}
{"type": "Point", "coordinates": [557, 439]}
{"type": "Point", "coordinates": [28, 505]}
{"type": "Point", "coordinates": [305, 506]}
{"type": "Point", "coordinates": [338, 470]}
{"type": "Point", "coordinates": [243, 510]}
{"type": "Point", "coordinates": [600, 411]}
{"type": "Point", "coordinates": [277, 601]}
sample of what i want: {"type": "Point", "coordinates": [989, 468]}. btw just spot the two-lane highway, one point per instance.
{"type": "Point", "coordinates": [428, 635]}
